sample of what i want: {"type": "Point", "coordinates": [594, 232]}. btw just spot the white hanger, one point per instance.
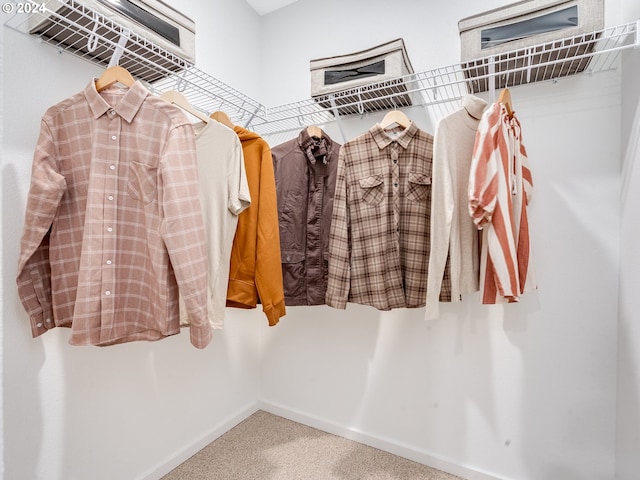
{"type": "Point", "coordinates": [395, 117]}
{"type": "Point", "coordinates": [175, 97]}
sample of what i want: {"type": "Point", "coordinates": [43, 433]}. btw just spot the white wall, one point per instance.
{"type": "Point", "coordinates": [1, 269]}
{"type": "Point", "coordinates": [523, 391]}
{"type": "Point", "coordinates": [228, 35]}
{"type": "Point", "coordinates": [129, 411]}
{"type": "Point", "coordinates": [519, 392]}
{"type": "Point", "coordinates": [307, 31]}
{"type": "Point", "coordinates": [628, 395]}
{"type": "Point", "coordinates": [628, 433]}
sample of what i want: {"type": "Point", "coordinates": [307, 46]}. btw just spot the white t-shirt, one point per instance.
{"type": "Point", "coordinates": [224, 194]}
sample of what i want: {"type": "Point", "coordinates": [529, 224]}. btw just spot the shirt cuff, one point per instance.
{"type": "Point", "coordinates": [336, 303]}
{"type": "Point", "coordinates": [274, 312]}
{"type": "Point", "coordinates": [201, 335]}
{"type": "Point", "coordinates": [39, 324]}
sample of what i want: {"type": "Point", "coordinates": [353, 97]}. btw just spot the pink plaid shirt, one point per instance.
{"type": "Point", "coordinates": [113, 223]}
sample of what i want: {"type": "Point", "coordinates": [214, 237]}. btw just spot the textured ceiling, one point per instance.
{"type": "Point", "coordinates": [265, 6]}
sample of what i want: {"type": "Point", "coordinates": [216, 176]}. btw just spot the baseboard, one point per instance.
{"type": "Point", "coordinates": [384, 444]}
{"type": "Point", "coordinates": [191, 449]}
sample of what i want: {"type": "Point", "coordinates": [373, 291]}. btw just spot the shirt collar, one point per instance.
{"type": "Point", "coordinates": [314, 148]}
{"type": "Point", "coordinates": [127, 107]}
{"type": "Point", "coordinates": [384, 138]}
{"type": "Point", "coordinates": [305, 140]}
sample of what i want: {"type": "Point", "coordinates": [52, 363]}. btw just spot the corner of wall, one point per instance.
{"type": "Point", "coordinates": [628, 369]}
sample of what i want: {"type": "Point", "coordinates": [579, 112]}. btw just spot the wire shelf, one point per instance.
{"type": "Point", "coordinates": [441, 89]}
{"type": "Point", "coordinates": [75, 28]}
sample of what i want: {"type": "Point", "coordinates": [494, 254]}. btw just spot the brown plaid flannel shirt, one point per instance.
{"type": "Point", "coordinates": [113, 222]}
{"type": "Point", "coordinates": [379, 241]}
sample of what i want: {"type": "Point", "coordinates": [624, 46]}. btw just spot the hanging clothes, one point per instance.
{"type": "Point", "coordinates": [113, 223]}
{"type": "Point", "coordinates": [255, 271]}
{"type": "Point", "coordinates": [379, 241]}
{"type": "Point", "coordinates": [305, 171]}
{"type": "Point", "coordinates": [454, 237]}
{"type": "Point", "coordinates": [224, 194]}
{"type": "Point", "coordinates": [500, 188]}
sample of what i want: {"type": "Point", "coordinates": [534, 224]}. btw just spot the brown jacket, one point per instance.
{"type": "Point", "coordinates": [255, 273]}
{"type": "Point", "coordinates": [305, 170]}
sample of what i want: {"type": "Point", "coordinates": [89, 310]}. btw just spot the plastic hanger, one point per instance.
{"type": "Point", "coordinates": [115, 74]}
{"type": "Point", "coordinates": [223, 118]}
{"type": "Point", "coordinates": [314, 131]}
{"type": "Point", "coordinates": [505, 99]}
{"type": "Point", "coordinates": [395, 117]}
{"type": "Point", "coordinates": [175, 97]}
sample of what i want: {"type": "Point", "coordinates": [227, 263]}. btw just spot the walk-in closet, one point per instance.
{"type": "Point", "coordinates": [541, 384]}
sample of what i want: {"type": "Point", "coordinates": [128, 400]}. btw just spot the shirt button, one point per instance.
{"type": "Point", "coordinates": [395, 184]}
{"type": "Point", "coordinates": [107, 293]}
{"type": "Point", "coordinates": [39, 325]}
{"type": "Point", "coordinates": [112, 112]}
{"type": "Point", "coordinates": [110, 197]}
{"type": "Point", "coordinates": [109, 262]}
{"type": "Point", "coordinates": [109, 229]}
{"type": "Point", "coordinates": [112, 167]}
{"type": "Point", "coordinates": [113, 137]}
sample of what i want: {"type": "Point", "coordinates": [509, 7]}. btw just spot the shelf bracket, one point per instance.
{"type": "Point", "coordinates": [492, 79]}
{"type": "Point", "coordinates": [336, 114]}
{"type": "Point", "coordinates": [125, 34]}
{"type": "Point", "coordinates": [181, 83]}
{"type": "Point", "coordinates": [92, 41]}
{"type": "Point", "coordinates": [253, 114]}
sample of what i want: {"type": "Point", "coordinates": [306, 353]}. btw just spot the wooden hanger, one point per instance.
{"type": "Point", "coordinates": [395, 117]}
{"type": "Point", "coordinates": [505, 99]}
{"type": "Point", "coordinates": [314, 131]}
{"type": "Point", "coordinates": [175, 97]}
{"type": "Point", "coordinates": [113, 75]}
{"type": "Point", "coordinates": [223, 118]}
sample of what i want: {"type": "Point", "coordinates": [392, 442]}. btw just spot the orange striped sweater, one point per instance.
{"type": "Point", "coordinates": [500, 188]}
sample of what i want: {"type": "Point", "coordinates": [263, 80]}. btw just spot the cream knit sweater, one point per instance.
{"type": "Point", "coordinates": [452, 230]}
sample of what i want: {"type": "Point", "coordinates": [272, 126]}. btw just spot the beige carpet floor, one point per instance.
{"type": "Point", "coordinates": [269, 447]}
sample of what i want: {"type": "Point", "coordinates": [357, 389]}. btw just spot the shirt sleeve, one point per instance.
{"type": "Point", "coordinates": [338, 283]}
{"type": "Point", "coordinates": [527, 179]}
{"type": "Point", "coordinates": [441, 217]}
{"type": "Point", "coordinates": [237, 185]}
{"type": "Point", "coordinates": [183, 228]}
{"type": "Point", "coordinates": [47, 187]}
{"type": "Point", "coordinates": [268, 276]}
{"type": "Point", "coordinates": [483, 177]}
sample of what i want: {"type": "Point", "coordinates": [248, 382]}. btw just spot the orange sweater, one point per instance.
{"type": "Point", "coordinates": [256, 272]}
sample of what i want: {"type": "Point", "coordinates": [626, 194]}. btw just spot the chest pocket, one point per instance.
{"type": "Point", "coordinates": [418, 186]}
{"type": "Point", "coordinates": [142, 182]}
{"type": "Point", "coordinates": [372, 189]}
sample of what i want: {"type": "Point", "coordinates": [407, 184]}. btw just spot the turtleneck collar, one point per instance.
{"type": "Point", "coordinates": [474, 106]}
